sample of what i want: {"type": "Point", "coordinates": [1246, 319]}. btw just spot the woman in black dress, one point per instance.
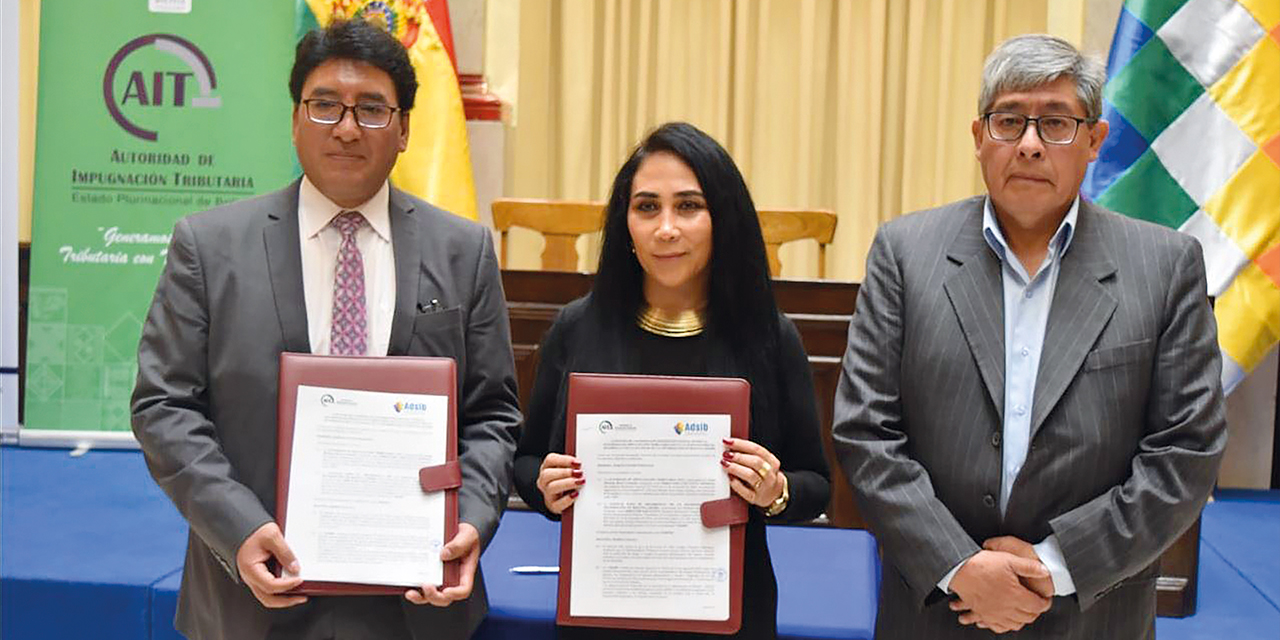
{"type": "Point", "coordinates": [683, 288]}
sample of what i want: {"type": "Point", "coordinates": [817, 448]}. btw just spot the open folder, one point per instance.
{"type": "Point", "coordinates": [657, 531]}
{"type": "Point", "coordinates": [359, 428]}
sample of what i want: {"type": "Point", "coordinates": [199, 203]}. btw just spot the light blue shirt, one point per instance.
{"type": "Point", "coordinates": [1027, 299]}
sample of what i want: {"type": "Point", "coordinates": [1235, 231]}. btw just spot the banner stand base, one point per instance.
{"type": "Point", "coordinates": [84, 440]}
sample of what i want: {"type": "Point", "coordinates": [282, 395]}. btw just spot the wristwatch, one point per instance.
{"type": "Point", "coordinates": [780, 505]}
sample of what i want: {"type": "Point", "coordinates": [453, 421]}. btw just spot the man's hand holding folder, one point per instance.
{"type": "Point", "coordinates": [464, 546]}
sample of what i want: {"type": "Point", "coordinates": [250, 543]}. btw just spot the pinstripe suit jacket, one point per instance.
{"type": "Point", "coordinates": [1127, 429]}
{"type": "Point", "coordinates": [229, 301]}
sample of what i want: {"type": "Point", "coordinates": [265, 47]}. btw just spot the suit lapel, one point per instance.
{"type": "Point", "coordinates": [1082, 307]}
{"type": "Point", "coordinates": [408, 257]}
{"type": "Point", "coordinates": [976, 296]}
{"type": "Point", "coordinates": [284, 260]}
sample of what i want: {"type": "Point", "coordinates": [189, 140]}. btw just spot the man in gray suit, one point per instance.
{"type": "Point", "coordinates": [1030, 409]}
{"type": "Point", "coordinates": [338, 262]}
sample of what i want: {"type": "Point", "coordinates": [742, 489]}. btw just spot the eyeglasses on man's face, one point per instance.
{"type": "Point", "coordinates": [1055, 129]}
{"type": "Point", "coordinates": [370, 115]}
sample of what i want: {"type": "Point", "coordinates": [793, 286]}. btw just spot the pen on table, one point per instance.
{"type": "Point", "coordinates": [533, 570]}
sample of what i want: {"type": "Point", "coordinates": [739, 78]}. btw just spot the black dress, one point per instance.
{"type": "Point", "coordinates": [784, 420]}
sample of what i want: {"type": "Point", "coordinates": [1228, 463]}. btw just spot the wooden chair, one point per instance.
{"type": "Point", "coordinates": [562, 221]}
{"type": "Point", "coordinates": [559, 221]}
{"type": "Point", "coordinates": [785, 225]}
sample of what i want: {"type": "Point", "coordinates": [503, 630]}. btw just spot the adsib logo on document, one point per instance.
{"type": "Point", "coordinates": [409, 407]}
{"type": "Point", "coordinates": [691, 427]}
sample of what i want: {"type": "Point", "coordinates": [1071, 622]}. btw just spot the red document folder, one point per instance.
{"type": "Point", "coordinates": [612, 393]}
{"type": "Point", "coordinates": [435, 376]}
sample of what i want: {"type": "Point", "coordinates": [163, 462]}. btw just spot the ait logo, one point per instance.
{"type": "Point", "coordinates": [189, 83]}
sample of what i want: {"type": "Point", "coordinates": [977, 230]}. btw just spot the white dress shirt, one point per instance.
{"type": "Point", "coordinates": [1027, 300]}
{"type": "Point", "coordinates": [320, 243]}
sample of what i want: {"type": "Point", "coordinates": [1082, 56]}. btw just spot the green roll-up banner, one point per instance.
{"type": "Point", "coordinates": [148, 110]}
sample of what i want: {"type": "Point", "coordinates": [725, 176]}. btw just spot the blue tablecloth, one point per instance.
{"type": "Point", "coordinates": [1239, 539]}
{"type": "Point", "coordinates": [1244, 528]}
{"type": "Point", "coordinates": [90, 548]}
{"type": "Point", "coordinates": [827, 580]}
{"type": "Point", "coordinates": [164, 606]}
{"type": "Point", "coordinates": [1229, 607]}
{"type": "Point", "coordinates": [82, 542]}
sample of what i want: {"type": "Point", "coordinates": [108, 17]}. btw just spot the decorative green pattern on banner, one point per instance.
{"type": "Point", "coordinates": [143, 118]}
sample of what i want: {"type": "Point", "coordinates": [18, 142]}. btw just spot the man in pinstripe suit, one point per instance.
{"type": "Point", "coordinates": [1030, 409]}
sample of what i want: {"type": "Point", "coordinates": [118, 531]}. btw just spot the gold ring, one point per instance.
{"type": "Point", "coordinates": [764, 470]}
{"type": "Point", "coordinates": [756, 486]}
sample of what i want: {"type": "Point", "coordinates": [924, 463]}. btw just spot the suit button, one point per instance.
{"type": "Point", "coordinates": [995, 439]}
{"type": "Point", "coordinates": [989, 500]}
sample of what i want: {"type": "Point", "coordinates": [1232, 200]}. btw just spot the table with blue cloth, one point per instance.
{"type": "Point", "coordinates": [91, 548]}
{"type": "Point", "coordinates": [84, 541]}
{"type": "Point", "coordinates": [827, 580]}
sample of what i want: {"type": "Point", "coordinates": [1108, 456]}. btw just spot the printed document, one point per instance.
{"type": "Point", "coordinates": [356, 511]}
{"type": "Point", "coordinates": [639, 547]}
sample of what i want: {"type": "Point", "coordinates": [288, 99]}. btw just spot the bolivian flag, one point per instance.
{"type": "Point", "coordinates": [437, 165]}
{"type": "Point", "coordinates": [1191, 96]}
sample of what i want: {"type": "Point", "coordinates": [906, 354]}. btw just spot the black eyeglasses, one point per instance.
{"type": "Point", "coordinates": [1009, 127]}
{"type": "Point", "coordinates": [368, 115]}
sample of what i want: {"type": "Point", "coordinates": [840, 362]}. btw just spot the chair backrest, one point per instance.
{"type": "Point", "coordinates": [559, 221]}
{"type": "Point", "coordinates": [562, 221]}
{"type": "Point", "coordinates": [785, 225]}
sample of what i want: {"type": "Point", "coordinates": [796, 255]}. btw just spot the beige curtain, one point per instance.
{"type": "Point", "coordinates": [858, 106]}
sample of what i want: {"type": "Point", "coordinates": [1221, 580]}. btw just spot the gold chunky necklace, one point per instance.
{"type": "Point", "coordinates": [688, 323]}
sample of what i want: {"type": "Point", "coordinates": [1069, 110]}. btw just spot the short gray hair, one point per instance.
{"type": "Point", "coordinates": [1029, 61]}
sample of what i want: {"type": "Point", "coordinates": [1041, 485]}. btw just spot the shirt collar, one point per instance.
{"type": "Point", "coordinates": [315, 211]}
{"type": "Point", "coordinates": [1061, 238]}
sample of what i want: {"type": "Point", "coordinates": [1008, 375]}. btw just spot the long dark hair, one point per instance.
{"type": "Point", "coordinates": [741, 309]}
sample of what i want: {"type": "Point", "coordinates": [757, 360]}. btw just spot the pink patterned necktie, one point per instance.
{"type": "Point", "coordinates": [349, 331]}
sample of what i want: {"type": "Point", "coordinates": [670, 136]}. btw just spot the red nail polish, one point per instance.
{"type": "Point", "coordinates": [576, 464]}
{"type": "Point", "coordinates": [728, 440]}
{"type": "Point", "coordinates": [728, 455]}
{"type": "Point", "coordinates": [573, 494]}
{"type": "Point", "coordinates": [724, 463]}
{"type": "Point", "coordinates": [581, 481]}
{"type": "Point", "coordinates": [577, 473]}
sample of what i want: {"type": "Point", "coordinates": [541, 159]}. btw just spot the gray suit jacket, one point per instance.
{"type": "Point", "coordinates": [1127, 426]}
{"type": "Point", "coordinates": [230, 300]}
